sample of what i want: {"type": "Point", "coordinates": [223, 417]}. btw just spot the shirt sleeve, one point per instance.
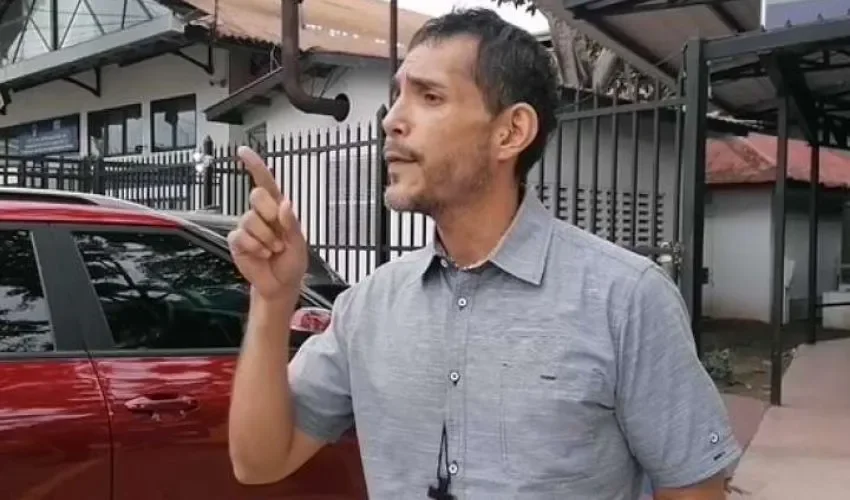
{"type": "Point", "coordinates": [673, 417]}
{"type": "Point", "coordinates": [319, 380]}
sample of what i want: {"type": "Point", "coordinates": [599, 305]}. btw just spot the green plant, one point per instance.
{"type": "Point", "coordinates": [718, 363]}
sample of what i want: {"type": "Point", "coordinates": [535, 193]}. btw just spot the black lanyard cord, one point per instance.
{"type": "Point", "coordinates": [444, 483]}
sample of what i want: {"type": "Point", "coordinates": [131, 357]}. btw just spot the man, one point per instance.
{"type": "Point", "coordinates": [514, 357]}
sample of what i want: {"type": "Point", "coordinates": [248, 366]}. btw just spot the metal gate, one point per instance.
{"type": "Point", "coordinates": [613, 168]}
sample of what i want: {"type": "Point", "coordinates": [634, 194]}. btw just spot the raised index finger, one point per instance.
{"type": "Point", "coordinates": [255, 166]}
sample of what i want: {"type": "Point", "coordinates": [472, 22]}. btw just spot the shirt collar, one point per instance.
{"type": "Point", "coordinates": [523, 249]}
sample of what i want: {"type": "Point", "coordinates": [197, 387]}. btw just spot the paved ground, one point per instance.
{"type": "Point", "coordinates": [802, 449]}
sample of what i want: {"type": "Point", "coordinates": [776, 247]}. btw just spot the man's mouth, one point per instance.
{"type": "Point", "coordinates": [397, 158]}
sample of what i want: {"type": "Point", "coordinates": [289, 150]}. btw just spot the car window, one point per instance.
{"type": "Point", "coordinates": [318, 272]}
{"type": "Point", "coordinates": [24, 317]}
{"type": "Point", "coordinates": [163, 291]}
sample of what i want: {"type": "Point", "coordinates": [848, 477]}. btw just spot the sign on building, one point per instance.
{"type": "Point", "coordinates": [45, 142]}
{"type": "Point", "coordinates": [782, 13]}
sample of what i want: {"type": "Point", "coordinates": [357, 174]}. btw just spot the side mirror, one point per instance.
{"type": "Point", "coordinates": [308, 321]}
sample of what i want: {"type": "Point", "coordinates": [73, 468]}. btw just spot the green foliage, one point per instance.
{"type": "Point", "coordinates": [718, 364]}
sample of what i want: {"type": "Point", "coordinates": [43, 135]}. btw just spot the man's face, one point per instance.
{"type": "Point", "coordinates": [439, 130]}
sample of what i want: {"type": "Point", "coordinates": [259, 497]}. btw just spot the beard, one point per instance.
{"type": "Point", "coordinates": [450, 183]}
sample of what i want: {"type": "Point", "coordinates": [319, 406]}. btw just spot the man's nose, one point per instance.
{"type": "Point", "coordinates": [395, 124]}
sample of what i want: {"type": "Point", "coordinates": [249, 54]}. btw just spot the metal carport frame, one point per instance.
{"type": "Point", "coordinates": [813, 113]}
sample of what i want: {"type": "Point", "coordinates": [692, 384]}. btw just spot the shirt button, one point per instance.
{"type": "Point", "coordinates": [454, 376]}
{"type": "Point", "coordinates": [453, 468]}
{"type": "Point", "coordinates": [461, 302]}
{"type": "Point", "coordinates": [444, 263]}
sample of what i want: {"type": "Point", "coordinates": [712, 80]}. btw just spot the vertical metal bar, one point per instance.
{"type": "Point", "coordinates": [559, 172]}
{"type": "Point", "coordinates": [576, 167]}
{"type": "Point", "coordinates": [337, 208]}
{"type": "Point", "coordinates": [326, 253]}
{"type": "Point", "coordinates": [300, 162]}
{"type": "Point", "coordinates": [633, 227]}
{"type": "Point", "coordinates": [777, 278]}
{"type": "Point", "coordinates": [656, 160]}
{"type": "Point", "coordinates": [693, 189]}
{"type": "Point", "coordinates": [814, 214]}
{"type": "Point", "coordinates": [541, 184]}
{"type": "Point", "coordinates": [677, 178]}
{"type": "Point", "coordinates": [372, 196]}
{"type": "Point", "coordinates": [594, 166]}
{"type": "Point", "coordinates": [615, 170]}
{"type": "Point", "coordinates": [358, 174]}
{"type": "Point", "coordinates": [290, 166]}
{"type": "Point", "coordinates": [382, 226]}
{"type": "Point", "coordinates": [308, 196]}
{"type": "Point", "coordinates": [328, 167]}
{"type": "Point", "coordinates": [393, 47]}
{"type": "Point", "coordinates": [54, 24]}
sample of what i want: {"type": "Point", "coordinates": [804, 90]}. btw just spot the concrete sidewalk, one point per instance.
{"type": "Point", "coordinates": [802, 449]}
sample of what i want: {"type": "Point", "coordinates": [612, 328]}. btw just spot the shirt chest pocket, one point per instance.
{"type": "Point", "coordinates": [551, 410]}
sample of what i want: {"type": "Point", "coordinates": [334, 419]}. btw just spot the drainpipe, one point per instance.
{"type": "Point", "coordinates": [338, 107]}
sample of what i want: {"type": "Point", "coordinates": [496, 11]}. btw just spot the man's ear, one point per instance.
{"type": "Point", "coordinates": [517, 128]}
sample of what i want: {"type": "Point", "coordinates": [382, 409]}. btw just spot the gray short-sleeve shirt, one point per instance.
{"type": "Point", "coordinates": [562, 368]}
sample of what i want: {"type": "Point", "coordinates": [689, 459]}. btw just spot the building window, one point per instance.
{"type": "Point", "coordinates": [116, 131]}
{"type": "Point", "coordinates": [174, 123]}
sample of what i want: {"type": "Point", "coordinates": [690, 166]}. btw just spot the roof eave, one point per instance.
{"type": "Point", "coordinates": [232, 108]}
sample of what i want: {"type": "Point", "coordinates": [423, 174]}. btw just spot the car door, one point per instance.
{"type": "Point", "coordinates": [172, 309]}
{"type": "Point", "coordinates": [54, 428]}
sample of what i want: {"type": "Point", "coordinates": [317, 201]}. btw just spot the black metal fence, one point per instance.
{"type": "Point", "coordinates": [612, 167]}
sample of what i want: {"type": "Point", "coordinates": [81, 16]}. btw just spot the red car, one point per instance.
{"type": "Point", "coordinates": [119, 331]}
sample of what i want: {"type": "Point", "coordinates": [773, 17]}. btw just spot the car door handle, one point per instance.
{"type": "Point", "coordinates": [161, 403]}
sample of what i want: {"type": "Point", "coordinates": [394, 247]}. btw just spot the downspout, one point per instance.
{"type": "Point", "coordinates": [338, 107]}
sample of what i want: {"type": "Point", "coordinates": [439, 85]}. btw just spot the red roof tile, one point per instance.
{"type": "Point", "coordinates": [356, 27]}
{"type": "Point", "coordinates": [752, 160]}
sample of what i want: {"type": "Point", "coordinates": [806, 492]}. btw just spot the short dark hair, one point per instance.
{"type": "Point", "coordinates": [512, 67]}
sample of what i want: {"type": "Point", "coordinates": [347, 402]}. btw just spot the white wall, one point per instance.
{"type": "Point", "coordinates": [738, 247]}
{"type": "Point", "coordinates": [829, 255]}
{"type": "Point", "coordinates": [158, 78]}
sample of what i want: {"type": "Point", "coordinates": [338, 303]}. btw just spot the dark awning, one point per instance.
{"type": "Point", "coordinates": [158, 35]}
{"type": "Point", "coordinates": [651, 36]}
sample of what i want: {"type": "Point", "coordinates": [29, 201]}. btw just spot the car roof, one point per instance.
{"type": "Point", "coordinates": [70, 197]}
{"type": "Point", "coordinates": [70, 213]}
{"type": "Point", "coordinates": [201, 217]}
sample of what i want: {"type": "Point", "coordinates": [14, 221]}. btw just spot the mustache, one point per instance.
{"type": "Point", "coordinates": [399, 152]}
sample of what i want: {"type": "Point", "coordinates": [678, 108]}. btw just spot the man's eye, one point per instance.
{"type": "Point", "coordinates": [432, 98]}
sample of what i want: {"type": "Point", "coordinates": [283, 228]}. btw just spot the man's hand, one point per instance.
{"type": "Point", "coordinates": [268, 246]}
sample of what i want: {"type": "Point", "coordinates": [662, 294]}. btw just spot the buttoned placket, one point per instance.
{"type": "Point", "coordinates": [462, 285]}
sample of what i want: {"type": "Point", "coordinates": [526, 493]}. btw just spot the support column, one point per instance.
{"type": "Point", "coordinates": [693, 183]}
{"type": "Point", "coordinates": [814, 215]}
{"type": "Point", "coordinates": [777, 281]}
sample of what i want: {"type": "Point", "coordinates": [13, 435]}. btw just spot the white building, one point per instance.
{"type": "Point", "coordinates": [156, 79]}
{"type": "Point", "coordinates": [94, 78]}
{"type": "Point", "coordinates": [741, 173]}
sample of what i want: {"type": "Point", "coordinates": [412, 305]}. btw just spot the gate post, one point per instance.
{"type": "Point", "coordinates": [693, 183]}
{"type": "Point", "coordinates": [208, 193]}
{"type": "Point", "coordinates": [98, 169]}
{"type": "Point", "coordinates": [382, 218]}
